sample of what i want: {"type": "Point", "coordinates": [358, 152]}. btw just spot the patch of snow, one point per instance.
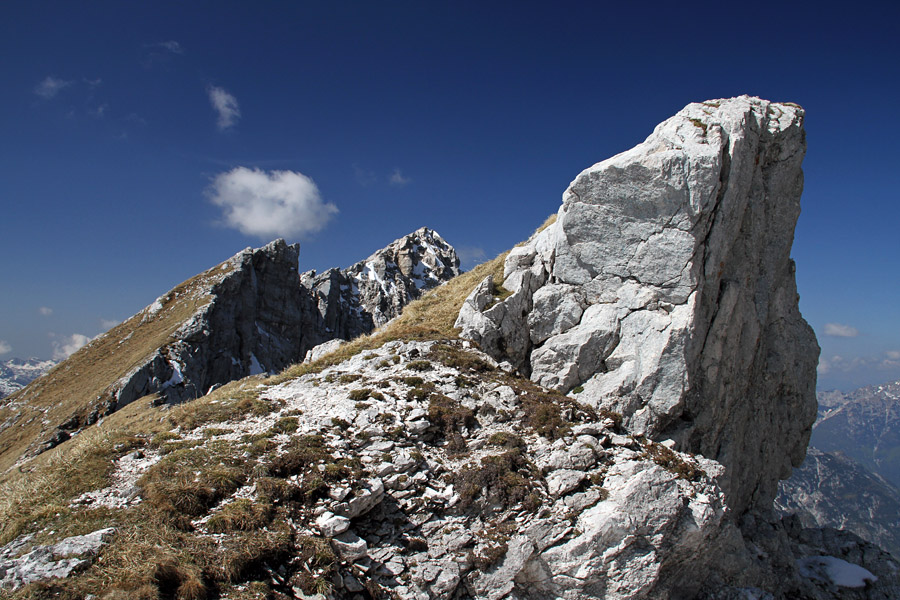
{"type": "Point", "coordinates": [154, 308]}
{"type": "Point", "coordinates": [255, 367]}
{"type": "Point", "coordinates": [834, 570]}
{"type": "Point", "coordinates": [176, 377]}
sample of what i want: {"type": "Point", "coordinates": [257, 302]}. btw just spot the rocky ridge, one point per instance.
{"type": "Point", "coordinates": [252, 314]}
{"type": "Point", "coordinates": [354, 301]}
{"type": "Point", "coordinates": [431, 469]}
{"type": "Point", "coordinates": [863, 424]}
{"type": "Point", "coordinates": [16, 373]}
{"type": "Point", "coordinates": [849, 478]}
{"type": "Point", "coordinates": [665, 291]}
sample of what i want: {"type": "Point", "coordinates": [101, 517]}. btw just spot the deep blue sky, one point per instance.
{"type": "Point", "coordinates": [470, 118]}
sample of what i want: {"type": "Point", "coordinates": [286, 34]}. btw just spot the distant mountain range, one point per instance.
{"type": "Point", "coordinates": [851, 477]}
{"type": "Point", "coordinates": [16, 373]}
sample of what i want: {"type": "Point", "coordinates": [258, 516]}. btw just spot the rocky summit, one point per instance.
{"type": "Point", "coordinates": [665, 291]}
{"type": "Point", "coordinates": [354, 301]}
{"type": "Point", "coordinates": [609, 419]}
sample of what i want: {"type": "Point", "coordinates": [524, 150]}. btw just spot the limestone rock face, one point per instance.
{"type": "Point", "coordinates": [665, 289]}
{"type": "Point", "coordinates": [356, 300]}
{"type": "Point", "coordinates": [258, 320]}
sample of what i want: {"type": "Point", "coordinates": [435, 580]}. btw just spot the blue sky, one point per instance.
{"type": "Point", "coordinates": [132, 132]}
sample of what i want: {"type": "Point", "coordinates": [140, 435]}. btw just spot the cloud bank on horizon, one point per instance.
{"type": "Point", "coordinates": [268, 204]}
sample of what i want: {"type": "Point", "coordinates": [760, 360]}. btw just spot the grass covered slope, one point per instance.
{"type": "Point", "coordinates": [81, 383]}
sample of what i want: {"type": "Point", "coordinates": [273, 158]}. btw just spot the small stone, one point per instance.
{"type": "Point", "coordinates": [331, 525]}
{"type": "Point", "coordinates": [564, 481]}
{"type": "Point", "coordinates": [349, 546]}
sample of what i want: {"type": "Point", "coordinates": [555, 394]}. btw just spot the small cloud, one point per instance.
{"type": "Point", "coordinates": [50, 87]}
{"type": "Point", "coordinates": [364, 177]}
{"type": "Point", "coordinates": [92, 82]}
{"type": "Point", "coordinates": [161, 52]}
{"type": "Point", "coordinates": [270, 203]}
{"type": "Point", "coordinates": [67, 345]}
{"type": "Point", "coordinates": [99, 112]}
{"type": "Point", "coordinates": [5, 348]}
{"type": "Point", "coordinates": [838, 330]}
{"type": "Point", "coordinates": [225, 105]}
{"type": "Point", "coordinates": [45, 311]}
{"type": "Point", "coordinates": [893, 354]}
{"type": "Point", "coordinates": [470, 256]}
{"type": "Point", "coordinates": [107, 324]}
{"type": "Point", "coordinates": [398, 179]}
{"type": "Point", "coordinates": [170, 46]}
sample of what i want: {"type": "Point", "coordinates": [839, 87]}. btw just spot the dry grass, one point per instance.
{"type": "Point", "coordinates": [30, 499]}
{"type": "Point", "coordinates": [82, 381]}
{"type": "Point", "coordinates": [228, 403]}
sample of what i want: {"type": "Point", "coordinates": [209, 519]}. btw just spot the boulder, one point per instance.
{"type": "Point", "coordinates": [666, 290]}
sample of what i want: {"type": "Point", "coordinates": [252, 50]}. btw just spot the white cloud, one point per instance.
{"type": "Point", "coordinates": [172, 46]}
{"type": "Point", "coordinates": [45, 311]}
{"type": "Point", "coordinates": [838, 330]}
{"type": "Point", "coordinates": [106, 324]}
{"type": "Point", "coordinates": [225, 105]}
{"type": "Point", "coordinates": [5, 347]}
{"type": "Point", "coordinates": [893, 354]}
{"type": "Point", "coordinates": [270, 203]}
{"type": "Point", "coordinates": [50, 87]}
{"type": "Point", "coordinates": [470, 255]}
{"type": "Point", "coordinates": [397, 178]}
{"type": "Point", "coordinates": [67, 345]}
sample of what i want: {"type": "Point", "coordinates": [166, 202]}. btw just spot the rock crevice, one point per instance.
{"type": "Point", "coordinates": [666, 291]}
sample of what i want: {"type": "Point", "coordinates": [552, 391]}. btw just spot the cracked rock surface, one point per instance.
{"type": "Point", "coordinates": [665, 289]}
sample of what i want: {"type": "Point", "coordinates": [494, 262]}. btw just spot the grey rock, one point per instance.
{"type": "Point", "coordinates": [50, 562]}
{"type": "Point", "coordinates": [356, 300]}
{"type": "Point", "coordinates": [349, 546]}
{"type": "Point", "coordinates": [322, 349]}
{"type": "Point", "coordinates": [563, 481]}
{"type": "Point", "coordinates": [331, 525]}
{"type": "Point", "coordinates": [670, 268]}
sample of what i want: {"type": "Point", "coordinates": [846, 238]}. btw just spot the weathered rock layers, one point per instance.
{"type": "Point", "coordinates": [354, 301]}
{"type": "Point", "coordinates": [257, 320]}
{"type": "Point", "coordinates": [665, 289]}
{"type": "Point", "coordinates": [263, 315]}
